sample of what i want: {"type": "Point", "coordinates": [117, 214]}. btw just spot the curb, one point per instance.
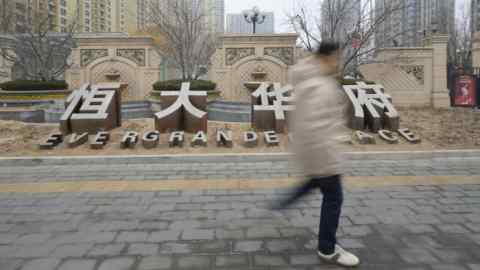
{"type": "Point", "coordinates": [228, 158]}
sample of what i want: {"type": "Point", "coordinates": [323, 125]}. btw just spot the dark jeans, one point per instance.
{"type": "Point", "coordinates": [331, 188]}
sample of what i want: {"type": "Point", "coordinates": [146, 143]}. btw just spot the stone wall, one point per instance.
{"type": "Point", "coordinates": [413, 76]}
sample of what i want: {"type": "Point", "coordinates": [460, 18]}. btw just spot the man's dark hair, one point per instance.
{"type": "Point", "coordinates": [327, 48]}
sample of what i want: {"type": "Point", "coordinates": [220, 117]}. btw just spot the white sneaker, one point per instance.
{"type": "Point", "coordinates": [340, 257]}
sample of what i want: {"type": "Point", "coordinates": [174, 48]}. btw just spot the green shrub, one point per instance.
{"type": "Point", "coordinates": [176, 84]}
{"type": "Point", "coordinates": [25, 85]}
{"type": "Point", "coordinates": [351, 81]}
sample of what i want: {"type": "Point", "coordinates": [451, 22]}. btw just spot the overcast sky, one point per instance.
{"type": "Point", "coordinates": [280, 8]}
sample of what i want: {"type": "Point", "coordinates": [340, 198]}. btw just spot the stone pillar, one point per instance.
{"type": "Point", "coordinates": [440, 94]}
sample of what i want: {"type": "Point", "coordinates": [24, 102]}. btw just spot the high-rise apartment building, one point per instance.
{"type": "Point", "coordinates": [237, 24]}
{"type": "Point", "coordinates": [101, 15]}
{"type": "Point", "coordinates": [475, 15]}
{"type": "Point", "coordinates": [417, 19]}
{"type": "Point", "coordinates": [345, 13]}
{"type": "Point", "coordinates": [20, 14]}
{"type": "Point", "coordinates": [213, 11]}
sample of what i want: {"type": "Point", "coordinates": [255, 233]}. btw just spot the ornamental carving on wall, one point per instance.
{"type": "Point", "coordinates": [416, 71]}
{"type": "Point", "coordinates": [284, 54]}
{"type": "Point", "coordinates": [87, 56]}
{"type": "Point", "coordinates": [233, 55]}
{"type": "Point", "coordinates": [135, 55]}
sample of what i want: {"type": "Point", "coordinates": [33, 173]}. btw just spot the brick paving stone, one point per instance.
{"type": "Point", "coordinates": [414, 256]}
{"type": "Point", "coordinates": [198, 234]}
{"type": "Point", "coordinates": [123, 263]}
{"type": "Point", "coordinates": [474, 227]}
{"type": "Point", "coordinates": [78, 264]}
{"type": "Point", "coordinates": [275, 246]}
{"type": "Point", "coordinates": [107, 249]}
{"type": "Point", "coordinates": [41, 264]}
{"type": "Point", "coordinates": [213, 246]}
{"type": "Point", "coordinates": [71, 250]}
{"type": "Point", "coordinates": [33, 251]}
{"type": "Point", "coordinates": [194, 262]}
{"type": "Point", "coordinates": [33, 238]}
{"type": "Point", "coordinates": [175, 248]}
{"type": "Point", "coordinates": [7, 238]}
{"type": "Point", "coordinates": [421, 228]}
{"type": "Point", "coordinates": [304, 259]}
{"type": "Point", "coordinates": [357, 230]}
{"type": "Point", "coordinates": [448, 267]}
{"type": "Point", "coordinates": [231, 261]}
{"type": "Point", "coordinates": [351, 243]}
{"type": "Point", "coordinates": [143, 249]}
{"type": "Point", "coordinates": [248, 246]}
{"type": "Point", "coordinates": [229, 234]}
{"type": "Point", "coordinates": [452, 228]}
{"type": "Point", "coordinates": [10, 264]}
{"type": "Point", "coordinates": [265, 232]}
{"type": "Point", "coordinates": [164, 236]}
{"type": "Point", "coordinates": [269, 260]}
{"type": "Point", "coordinates": [155, 263]}
{"type": "Point", "coordinates": [130, 237]}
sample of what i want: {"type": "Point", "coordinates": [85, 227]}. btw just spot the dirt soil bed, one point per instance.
{"type": "Point", "coordinates": [439, 129]}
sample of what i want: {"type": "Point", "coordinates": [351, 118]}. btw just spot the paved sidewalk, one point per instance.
{"type": "Point", "coordinates": [219, 167]}
{"type": "Point", "coordinates": [409, 227]}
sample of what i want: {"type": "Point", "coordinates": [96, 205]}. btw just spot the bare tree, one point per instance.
{"type": "Point", "coordinates": [183, 34]}
{"type": "Point", "coordinates": [352, 23]}
{"type": "Point", "coordinates": [39, 53]}
{"type": "Point", "coordinates": [7, 16]}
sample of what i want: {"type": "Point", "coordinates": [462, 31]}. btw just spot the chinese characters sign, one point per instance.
{"type": "Point", "coordinates": [184, 110]}
{"type": "Point", "coordinates": [271, 107]}
{"type": "Point", "coordinates": [93, 108]}
{"type": "Point", "coordinates": [372, 108]}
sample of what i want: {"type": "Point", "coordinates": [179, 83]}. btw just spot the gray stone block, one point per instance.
{"type": "Point", "coordinates": [191, 234]}
{"type": "Point", "coordinates": [107, 250]}
{"type": "Point", "coordinates": [175, 248]}
{"type": "Point", "coordinates": [248, 246]}
{"type": "Point", "coordinates": [164, 236]}
{"type": "Point", "coordinates": [417, 255]}
{"type": "Point", "coordinates": [71, 250]}
{"type": "Point", "coordinates": [229, 234]}
{"type": "Point", "coordinates": [231, 261]}
{"type": "Point", "coordinates": [124, 263]}
{"type": "Point", "coordinates": [132, 237]}
{"type": "Point", "coordinates": [143, 249]}
{"type": "Point", "coordinates": [41, 264]}
{"type": "Point", "coordinates": [268, 260]}
{"type": "Point", "coordinates": [194, 262]}
{"type": "Point", "coordinates": [264, 232]}
{"type": "Point", "coordinates": [304, 259]}
{"type": "Point", "coordinates": [155, 263]}
{"type": "Point", "coordinates": [275, 246]}
{"type": "Point", "coordinates": [78, 264]}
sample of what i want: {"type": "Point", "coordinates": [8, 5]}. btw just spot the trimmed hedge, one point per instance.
{"type": "Point", "coordinates": [24, 85]}
{"type": "Point", "coordinates": [176, 84]}
{"type": "Point", "coordinates": [352, 81]}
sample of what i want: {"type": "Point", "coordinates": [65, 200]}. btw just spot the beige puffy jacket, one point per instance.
{"type": "Point", "coordinates": [319, 119]}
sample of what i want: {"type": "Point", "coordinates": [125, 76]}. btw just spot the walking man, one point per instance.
{"type": "Point", "coordinates": [318, 120]}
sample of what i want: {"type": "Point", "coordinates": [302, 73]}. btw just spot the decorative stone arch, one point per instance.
{"type": "Point", "coordinates": [276, 71]}
{"type": "Point", "coordinates": [114, 57]}
{"type": "Point", "coordinates": [116, 69]}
